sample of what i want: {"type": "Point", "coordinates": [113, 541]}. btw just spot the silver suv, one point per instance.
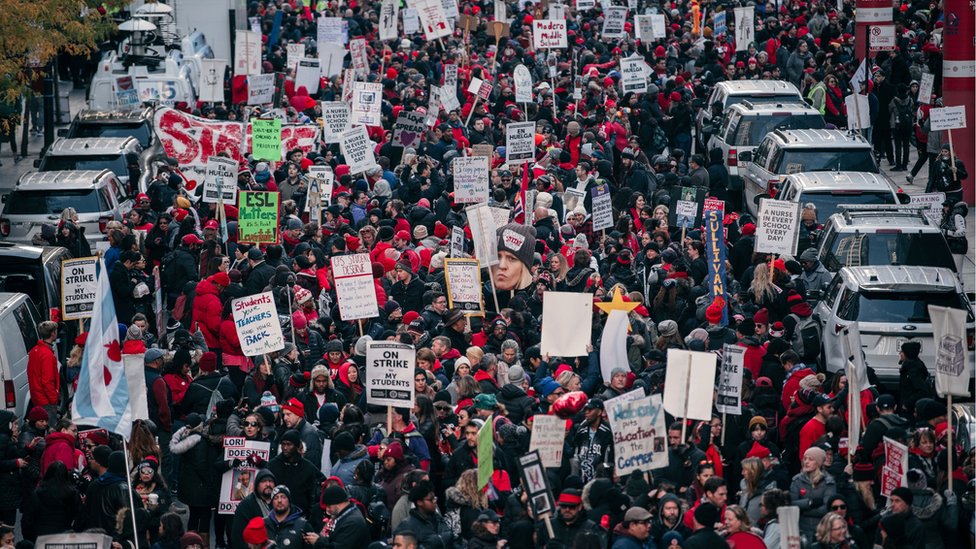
{"type": "Point", "coordinates": [121, 155]}
{"type": "Point", "coordinates": [785, 152]}
{"type": "Point", "coordinates": [828, 191]}
{"type": "Point", "coordinates": [733, 92]}
{"type": "Point", "coordinates": [40, 197]}
{"type": "Point", "coordinates": [890, 306]}
{"type": "Point", "coordinates": [744, 125]}
{"type": "Point", "coordinates": [113, 123]}
{"type": "Point", "coordinates": [860, 236]}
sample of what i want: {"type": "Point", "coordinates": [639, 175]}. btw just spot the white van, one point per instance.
{"type": "Point", "coordinates": [18, 320]}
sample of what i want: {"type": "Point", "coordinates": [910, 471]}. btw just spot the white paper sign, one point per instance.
{"type": "Point", "coordinates": [295, 52]}
{"type": "Point", "coordinates": [613, 23]}
{"type": "Point", "coordinates": [729, 400]}
{"type": "Point", "coordinates": [411, 21]}
{"type": "Point", "coordinates": [212, 80]}
{"type": "Point", "coordinates": [549, 33]}
{"type": "Point", "coordinates": [948, 118]}
{"type": "Point", "coordinates": [688, 384]}
{"type": "Point", "coordinates": [357, 149]}
{"type": "Point", "coordinates": [859, 113]}
{"type": "Point", "coordinates": [409, 129]}
{"type": "Point", "coordinates": [602, 207]}
{"type": "Point", "coordinates": [520, 142]}
{"type": "Point", "coordinates": [567, 320]}
{"type": "Point", "coordinates": [335, 120]}
{"type": "Point", "coordinates": [221, 181]}
{"type": "Point", "coordinates": [367, 103]}
{"type": "Point", "coordinates": [331, 30]}
{"type": "Point", "coordinates": [645, 32]}
{"type": "Point", "coordinates": [548, 438]}
{"type": "Point", "coordinates": [483, 233]}
{"type": "Point", "coordinates": [78, 282]}
{"type": "Point", "coordinates": [789, 524]}
{"type": "Point", "coordinates": [925, 88]}
{"type": "Point", "coordinates": [389, 373]}
{"type": "Point", "coordinates": [388, 19]}
{"type": "Point", "coordinates": [260, 89]}
{"type": "Point", "coordinates": [357, 52]}
{"type": "Point", "coordinates": [470, 179]}
{"type": "Point", "coordinates": [308, 74]}
{"type": "Point", "coordinates": [432, 19]}
{"type": "Point", "coordinates": [355, 290]}
{"type": "Point", "coordinates": [632, 72]}
{"type": "Point", "coordinates": [523, 84]}
{"type": "Point", "coordinates": [331, 58]}
{"type": "Point", "coordinates": [258, 328]}
{"type": "Point", "coordinates": [952, 367]}
{"type": "Point", "coordinates": [658, 26]}
{"type": "Point", "coordinates": [745, 27]}
{"type": "Point", "coordinates": [235, 485]}
{"type": "Point", "coordinates": [639, 433]}
{"type": "Point", "coordinates": [457, 242]}
{"type": "Point", "coordinates": [777, 229]}
{"type": "Point", "coordinates": [247, 52]}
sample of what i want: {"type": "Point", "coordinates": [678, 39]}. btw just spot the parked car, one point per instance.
{"type": "Point", "coordinates": [786, 152]}
{"type": "Point", "coordinates": [36, 271]}
{"type": "Point", "coordinates": [890, 306]}
{"type": "Point", "coordinates": [135, 123]}
{"type": "Point", "coordinates": [18, 322]}
{"type": "Point", "coordinates": [732, 92]}
{"type": "Point", "coordinates": [829, 190]}
{"type": "Point", "coordinates": [121, 155]}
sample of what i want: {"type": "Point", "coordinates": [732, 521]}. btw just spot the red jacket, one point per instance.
{"type": "Point", "coordinates": [61, 447]}
{"type": "Point", "coordinates": [753, 358]}
{"type": "Point", "coordinates": [230, 346]}
{"type": "Point", "coordinates": [792, 385]}
{"type": "Point", "coordinates": [42, 375]}
{"type": "Point", "coordinates": [206, 312]}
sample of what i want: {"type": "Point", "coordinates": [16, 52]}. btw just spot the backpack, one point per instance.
{"type": "Point", "coordinates": [904, 115]}
{"type": "Point", "coordinates": [806, 337]}
{"type": "Point", "coordinates": [168, 275]}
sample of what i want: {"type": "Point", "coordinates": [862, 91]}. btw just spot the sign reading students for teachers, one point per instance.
{"type": "Point", "coordinates": [256, 321]}
{"type": "Point", "coordinates": [389, 373]}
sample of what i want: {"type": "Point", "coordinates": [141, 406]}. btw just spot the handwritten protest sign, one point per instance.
{"type": "Point", "coordinates": [548, 437]}
{"type": "Point", "coordinates": [266, 139]}
{"type": "Point", "coordinates": [221, 181]}
{"type": "Point", "coordinates": [235, 485]}
{"type": "Point", "coordinates": [432, 18]}
{"type": "Point", "coordinates": [357, 52]}
{"type": "Point", "coordinates": [523, 84]}
{"type": "Point", "coordinates": [242, 448]}
{"type": "Point", "coordinates": [256, 321]}
{"type": "Point", "coordinates": [409, 129]}
{"type": "Point", "coordinates": [411, 21]}
{"type": "Point", "coordinates": [258, 217]}
{"type": "Point", "coordinates": [688, 384]}
{"type": "Point", "coordinates": [895, 466]}
{"type": "Point", "coordinates": [335, 120]}
{"type": "Point", "coordinates": [549, 33]}
{"type": "Point", "coordinates": [777, 227]}
{"type": "Point", "coordinates": [948, 118]}
{"type": "Point", "coordinates": [463, 278]}
{"type": "Point", "coordinates": [78, 283]}
{"type": "Point", "coordinates": [567, 321]}
{"type": "Point", "coordinates": [247, 52]}
{"type": "Point", "coordinates": [331, 30]}
{"type": "Point", "coordinates": [470, 179]}
{"type": "Point", "coordinates": [520, 142]}
{"type": "Point", "coordinates": [729, 400]}
{"type": "Point", "coordinates": [294, 52]}
{"type": "Point", "coordinates": [925, 88]}
{"type": "Point", "coordinates": [389, 373]}
{"type": "Point", "coordinates": [357, 149]}
{"type": "Point", "coordinates": [260, 89]}
{"type": "Point", "coordinates": [639, 434]}
{"type": "Point", "coordinates": [483, 226]}
{"type": "Point", "coordinates": [354, 286]}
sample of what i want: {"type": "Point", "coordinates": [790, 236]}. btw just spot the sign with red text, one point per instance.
{"type": "Point", "coordinates": [549, 33]}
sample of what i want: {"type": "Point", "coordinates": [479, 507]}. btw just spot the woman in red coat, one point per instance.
{"type": "Point", "coordinates": [207, 308]}
{"type": "Point", "coordinates": [60, 446]}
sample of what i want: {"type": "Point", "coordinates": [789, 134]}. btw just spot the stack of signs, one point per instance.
{"type": "Point", "coordinates": [409, 129]}
{"type": "Point", "coordinates": [256, 321]}
{"type": "Point", "coordinates": [523, 84]}
{"type": "Point", "coordinates": [895, 466]}
{"type": "Point", "coordinates": [470, 179]}
{"type": "Point", "coordinates": [260, 89]}
{"type": "Point", "coordinates": [729, 399]}
{"type": "Point", "coordinates": [238, 483]}
{"type": "Point", "coordinates": [78, 281]}
{"type": "Point", "coordinates": [777, 227]}
{"type": "Point", "coordinates": [257, 221]}
{"type": "Point", "coordinates": [548, 438]}
{"type": "Point", "coordinates": [613, 24]}
{"type": "Point", "coordinates": [602, 207]}
{"type": "Point", "coordinates": [335, 120]}
{"type": "Point", "coordinates": [367, 103]}
{"type": "Point", "coordinates": [639, 433]}
{"type": "Point", "coordinates": [463, 279]}
{"type": "Point", "coordinates": [745, 31]}
{"type": "Point", "coordinates": [357, 149]}
{"type": "Point", "coordinates": [355, 290]}
{"type": "Point", "coordinates": [520, 143]}
{"type": "Point", "coordinates": [389, 374]}
{"type": "Point", "coordinates": [549, 33]}
{"type": "Point", "coordinates": [632, 72]}
{"type": "Point", "coordinates": [221, 182]}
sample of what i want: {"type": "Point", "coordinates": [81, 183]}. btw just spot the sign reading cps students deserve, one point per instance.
{"type": "Point", "coordinates": [221, 181]}
{"type": "Point", "coordinates": [355, 290]}
{"type": "Point", "coordinates": [639, 434]}
{"type": "Point", "coordinates": [463, 278]}
{"type": "Point", "coordinates": [256, 321]}
{"type": "Point", "coordinates": [470, 179]}
{"type": "Point", "coordinates": [257, 221]}
{"type": "Point", "coordinates": [776, 229]}
{"type": "Point", "coordinates": [389, 373]}
{"type": "Point", "coordinates": [78, 281]}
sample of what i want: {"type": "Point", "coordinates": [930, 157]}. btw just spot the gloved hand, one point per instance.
{"type": "Point", "coordinates": [255, 460]}
{"type": "Point", "coordinates": [950, 498]}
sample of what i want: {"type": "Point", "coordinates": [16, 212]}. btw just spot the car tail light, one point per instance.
{"type": "Point", "coordinates": [733, 159]}
{"type": "Point", "coordinates": [4, 227]}
{"type": "Point", "coordinates": [9, 394]}
{"type": "Point", "coordinates": [971, 339]}
{"type": "Point", "coordinates": [103, 224]}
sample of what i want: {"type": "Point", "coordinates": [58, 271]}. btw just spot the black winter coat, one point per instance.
{"type": "Point", "coordinates": [432, 532]}
{"type": "Point", "coordinates": [11, 478]}
{"type": "Point", "coordinates": [247, 509]}
{"type": "Point", "coordinates": [349, 530]}
{"type": "Point", "coordinates": [201, 468]}
{"type": "Point", "coordinates": [106, 495]}
{"type": "Point", "coordinates": [301, 477]}
{"type": "Point", "coordinates": [914, 383]}
{"type": "Point", "coordinates": [259, 278]}
{"type": "Point", "coordinates": [518, 404]}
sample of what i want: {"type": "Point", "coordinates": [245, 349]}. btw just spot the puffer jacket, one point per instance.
{"type": "Point", "coordinates": [346, 467]}
{"type": "Point", "coordinates": [804, 495]}
{"type": "Point", "coordinates": [289, 532]}
{"type": "Point", "coordinates": [935, 516]}
{"type": "Point", "coordinates": [61, 447]}
{"type": "Point", "coordinates": [206, 312]}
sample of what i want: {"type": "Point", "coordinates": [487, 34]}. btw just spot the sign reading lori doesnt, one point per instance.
{"type": "Point", "coordinates": [389, 373]}
{"type": "Point", "coordinates": [256, 321]}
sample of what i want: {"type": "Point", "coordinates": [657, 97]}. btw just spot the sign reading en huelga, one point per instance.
{"type": "Point", "coordinates": [389, 373]}
{"type": "Point", "coordinates": [78, 281]}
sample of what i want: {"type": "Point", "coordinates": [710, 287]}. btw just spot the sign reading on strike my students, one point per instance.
{"type": "Point", "coordinates": [520, 142]}
{"type": "Point", "coordinates": [549, 33]}
{"type": "Point", "coordinates": [221, 181]}
{"type": "Point", "coordinates": [729, 400]}
{"type": "Point", "coordinates": [639, 434]}
{"type": "Point", "coordinates": [470, 179]}
{"type": "Point", "coordinates": [354, 286]}
{"type": "Point", "coordinates": [256, 321]}
{"type": "Point", "coordinates": [78, 283]}
{"type": "Point", "coordinates": [776, 230]}
{"type": "Point", "coordinates": [389, 373]}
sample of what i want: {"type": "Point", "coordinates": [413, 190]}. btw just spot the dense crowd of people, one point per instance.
{"type": "Point", "coordinates": [341, 472]}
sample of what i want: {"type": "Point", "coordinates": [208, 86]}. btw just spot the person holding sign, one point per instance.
{"type": "Point", "coordinates": [948, 173]}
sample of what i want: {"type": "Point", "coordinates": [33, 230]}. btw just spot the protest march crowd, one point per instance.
{"type": "Point", "coordinates": [357, 380]}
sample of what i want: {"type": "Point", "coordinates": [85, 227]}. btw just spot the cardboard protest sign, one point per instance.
{"type": "Point", "coordinates": [777, 226]}
{"type": "Point", "coordinates": [74, 541]}
{"type": "Point", "coordinates": [389, 373]}
{"type": "Point", "coordinates": [729, 400]}
{"type": "Point", "coordinates": [388, 19]}
{"type": "Point", "coordinates": [689, 383]}
{"type": "Point", "coordinates": [632, 72]}
{"type": "Point", "coordinates": [858, 111]}
{"type": "Point", "coordinates": [307, 75]}
{"type": "Point", "coordinates": [235, 485]}
{"type": "Point", "coordinates": [548, 438]}
{"type": "Point", "coordinates": [952, 368]}
{"type": "Point", "coordinates": [925, 88]}
{"type": "Point", "coordinates": [639, 434]}
{"type": "Point", "coordinates": [948, 118]}
{"type": "Point", "coordinates": [256, 321]}
{"type": "Point", "coordinates": [567, 320]}
{"type": "Point", "coordinates": [613, 23]}
{"type": "Point", "coordinates": [483, 234]}
{"type": "Point", "coordinates": [520, 143]}
{"type": "Point", "coordinates": [266, 139]}
{"type": "Point", "coordinates": [357, 149]}
{"type": "Point", "coordinates": [463, 279]}
{"type": "Point", "coordinates": [536, 483]}
{"type": "Point", "coordinates": [242, 448]}
{"type": "Point", "coordinates": [260, 89]}
{"type": "Point", "coordinates": [470, 179]}
{"type": "Point", "coordinates": [258, 217]}
{"type": "Point", "coordinates": [745, 27]}
{"type": "Point", "coordinates": [335, 120]}
{"type": "Point", "coordinates": [355, 290]}
{"type": "Point", "coordinates": [523, 84]}
{"type": "Point", "coordinates": [78, 281]}
{"type": "Point", "coordinates": [294, 52]}
{"type": "Point", "coordinates": [433, 20]}
{"type": "Point", "coordinates": [221, 182]}
{"type": "Point", "coordinates": [409, 129]}
{"type": "Point", "coordinates": [247, 52]}
{"type": "Point", "coordinates": [686, 207]}
{"type": "Point", "coordinates": [549, 33]}
{"type": "Point", "coordinates": [457, 241]}
{"type": "Point", "coordinates": [366, 103]}
{"type": "Point", "coordinates": [895, 466]}
{"type": "Point", "coordinates": [715, 253]}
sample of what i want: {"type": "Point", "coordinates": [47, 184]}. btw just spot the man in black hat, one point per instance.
{"type": "Point", "coordinates": [425, 521]}
{"type": "Point", "coordinates": [300, 475]}
{"type": "Point", "coordinates": [285, 524]}
{"type": "Point", "coordinates": [349, 528]}
{"type": "Point", "coordinates": [256, 504]}
{"type": "Point", "coordinates": [911, 532]}
{"type": "Point", "coordinates": [454, 326]}
{"type": "Point", "coordinates": [705, 537]}
{"type": "Point", "coordinates": [109, 492]}
{"type": "Point", "coordinates": [260, 274]}
{"type": "Point", "coordinates": [592, 441]}
{"type": "Point", "coordinates": [887, 419]}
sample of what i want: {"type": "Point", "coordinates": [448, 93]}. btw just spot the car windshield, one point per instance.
{"type": "Point", "coordinates": [140, 131]}
{"type": "Point", "coordinates": [902, 307]}
{"type": "Point", "coordinates": [892, 248]}
{"type": "Point", "coordinates": [827, 202]}
{"type": "Point", "coordinates": [49, 202]}
{"type": "Point", "coordinates": [752, 130]}
{"type": "Point", "coordinates": [114, 162]}
{"type": "Point", "coordinates": [821, 160]}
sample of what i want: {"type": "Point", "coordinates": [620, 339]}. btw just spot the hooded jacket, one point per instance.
{"type": "Point", "coordinates": [432, 531]}
{"type": "Point", "coordinates": [290, 531]}
{"type": "Point", "coordinates": [659, 528]}
{"type": "Point", "coordinates": [206, 312]}
{"type": "Point", "coordinates": [61, 447]}
{"type": "Point", "coordinates": [517, 402]}
{"type": "Point", "coordinates": [346, 467]}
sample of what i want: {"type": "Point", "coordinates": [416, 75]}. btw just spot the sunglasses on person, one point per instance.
{"type": "Point", "coordinates": [251, 424]}
{"type": "Point", "coordinates": [838, 507]}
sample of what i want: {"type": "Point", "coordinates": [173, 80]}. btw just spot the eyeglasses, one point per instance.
{"type": "Point", "coordinates": [838, 507]}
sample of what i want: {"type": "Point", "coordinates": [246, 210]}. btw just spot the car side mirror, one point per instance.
{"type": "Point", "coordinates": [814, 295]}
{"type": "Point", "coordinates": [903, 198]}
{"type": "Point", "coordinates": [3, 199]}
{"type": "Point", "coordinates": [745, 156]}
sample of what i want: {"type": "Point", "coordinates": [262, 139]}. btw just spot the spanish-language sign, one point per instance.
{"type": "Point", "coordinates": [389, 373]}
{"type": "Point", "coordinates": [366, 103]}
{"type": "Point", "coordinates": [409, 129]}
{"type": "Point", "coordinates": [266, 139]}
{"type": "Point", "coordinates": [256, 321]}
{"type": "Point", "coordinates": [470, 179]}
{"type": "Point", "coordinates": [357, 149]}
{"type": "Point", "coordinates": [355, 290]}
{"type": "Point", "coordinates": [882, 38]}
{"type": "Point", "coordinates": [729, 399]}
{"type": "Point", "coordinates": [247, 52]}
{"type": "Point", "coordinates": [925, 88]}
{"type": "Point", "coordinates": [463, 278]}
{"type": "Point", "coordinates": [613, 24]}
{"type": "Point", "coordinates": [952, 368]}
{"type": "Point", "coordinates": [389, 10]}
{"type": "Point", "coordinates": [258, 217]}
{"type": "Point", "coordinates": [567, 320]}
{"type": "Point", "coordinates": [335, 120]}
{"type": "Point", "coordinates": [520, 142]}
{"type": "Point", "coordinates": [74, 541]}
{"type": "Point", "coordinates": [483, 233]}
{"type": "Point", "coordinates": [776, 230]}
{"type": "Point", "coordinates": [242, 448]}
{"type": "Point", "coordinates": [548, 438]}
{"type": "Point", "coordinates": [688, 384]}
{"type": "Point", "coordinates": [549, 33]}
{"type": "Point", "coordinates": [948, 118]}
{"type": "Point", "coordinates": [632, 72]}
{"type": "Point", "coordinates": [895, 466]}
{"type": "Point", "coordinates": [260, 89]}
{"type": "Point", "coordinates": [78, 281]}
{"type": "Point", "coordinates": [745, 27]}
{"type": "Point", "coordinates": [639, 434]}
{"type": "Point", "coordinates": [221, 182]}
{"type": "Point", "coordinates": [536, 483]}
{"type": "Point", "coordinates": [715, 254]}
{"type": "Point", "coordinates": [457, 242]}
{"type": "Point", "coordinates": [523, 84]}
{"type": "Point", "coordinates": [235, 485]}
